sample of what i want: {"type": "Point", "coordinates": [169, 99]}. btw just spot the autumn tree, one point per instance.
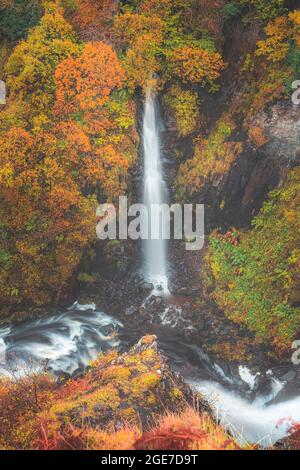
{"type": "Point", "coordinates": [154, 39]}
{"type": "Point", "coordinates": [103, 149]}
{"type": "Point", "coordinates": [90, 18]}
{"type": "Point", "coordinates": [282, 34]}
{"type": "Point", "coordinates": [30, 68]}
{"type": "Point", "coordinates": [85, 82]}
{"type": "Point", "coordinates": [196, 65]}
{"type": "Point", "coordinates": [48, 218]}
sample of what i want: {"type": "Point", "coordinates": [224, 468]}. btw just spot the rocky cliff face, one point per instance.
{"type": "Point", "coordinates": [260, 169]}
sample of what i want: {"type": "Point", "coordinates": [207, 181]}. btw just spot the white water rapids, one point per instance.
{"type": "Point", "coordinates": [252, 422]}
{"type": "Point", "coordinates": [69, 340]}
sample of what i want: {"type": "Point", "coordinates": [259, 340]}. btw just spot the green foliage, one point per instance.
{"type": "Point", "coordinates": [184, 105]}
{"type": "Point", "coordinates": [5, 259]}
{"type": "Point", "coordinates": [212, 157]}
{"type": "Point", "coordinates": [293, 60]}
{"type": "Point", "coordinates": [263, 10]}
{"type": "Point", "coordinates": [18, 17]}
{"type": "Point", "coordinates": [30, 68]}
{"type": "Point", "coordinates": [70, 6]}
{"type": "Point", "coordinates": [255, 275]}
{"type": "Point", "coordinates": [86, 278]}
{"type": "Point", "coordinates": [231, 10]}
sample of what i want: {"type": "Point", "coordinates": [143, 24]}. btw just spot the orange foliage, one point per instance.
{"type": "Point", "coordinates": [257, 136]}
{"type": "Point", "coordinates": [187, 431]}
{"type": "Point", "coordinates": [280, 33]}
{"type": "Point", "coordinates": [20, 400]}
{"type": "Point", "coordinates": [196, 65]}
{"type": "Point", "coordinates": [85, 82]}
{"type": "Point", "coordinates": [142, 36]}
{"type": "Point", "coordinates": [92, 19]}
{"type": "Point", "coordinates": [51, 221]}
{"type": "Point", "coordinates": [129, 26]}
{"type": "Point", "coordinates": [99, 150]}
{"type": "Point", "coordinates": [72, 438]}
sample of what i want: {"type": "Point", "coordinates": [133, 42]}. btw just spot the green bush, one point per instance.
{"type": "Point", "coordinates": [17, 19]}
{"type": "Point", "coordinates": [263, 10]}
{"type": "Point", "coordinates": [5, 259]}
{"type": "Point", "coordinates": [70, 6]}
{"type": "Point", "coordinates": [185, 108]}
{"type": "Point", "coordinates": [255, 275]}
{"type": "Point", "coordinates": [293, 59]}
{"type": "Point", "coordinates": [231, 10]}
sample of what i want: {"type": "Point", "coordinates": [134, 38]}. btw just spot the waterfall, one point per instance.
{"type": "Point", "coordinates": [155, 192]}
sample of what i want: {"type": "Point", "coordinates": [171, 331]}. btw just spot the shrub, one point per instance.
{"type": "Point", "coordinates": [18, 17]}
{"type": "Point", "coordinates": [186, 431]}
{"type": "Point", "coordinates": [255, 275]}
{"type": "Point", "coordinates": [231, 10]}
{"type": "Point", "coordinates": [184, 105]}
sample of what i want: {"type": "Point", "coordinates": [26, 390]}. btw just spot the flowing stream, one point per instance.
{"type": "Point", "coordinates": [258, 408]}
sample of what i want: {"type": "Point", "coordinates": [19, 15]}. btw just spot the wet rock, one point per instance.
{"type": "Point", "coordinates": [158, 301]}
{"type": "Point", "coordinates": [289, 376]}
{"type": "Point", "coordinates": [194, 290]}
{"type": "Point", "coordinates": [136, 279]}
{"type": "Point", "coordinates": [190, 332]}
{"type": "Point", "coordinates": [131, 311]}
{"type": "Point", "coordinates": [108, 330]}
{"type": "Point", "coordinates": [200, 323]}
{"type": "Point", "coordinates": [259, 358]}
{"type": "Point", "coordinates": [265, 386]}
{"type": "Point", "coordinates": [225, 330]}
{"type": "Point", "coordinates": [181, 291]}
{"type": "Point", "coordinates": [159, 288]}
{"type": "Point", "coordinates": [146, 287]}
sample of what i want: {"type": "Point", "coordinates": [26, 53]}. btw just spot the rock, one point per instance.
{"type": "Point", "coordinates": [259, 359]}
{"type": "Point", "coordinates": [224, 331]}
{"type": "Point", "coordinates": [289, 376]}
{"type": "Point", "coordinates": [200, 324]}
{"type": "Point", "coordinates": [2, 92]}
{"type": "Point", "coordinates": [108, 330]}
{"type": "Point", "coordinates": [264, 386]}
{"type": "Point", "coordinates": [130, 311]}
{"type": "Point", "coordinates": [281, 127]}
{"type": "Point", "coordinates": [194, 290]}
{"type": "Point", "coordinates": [146, 287]}
{"type": "Point", "coordinates": [182, 291]}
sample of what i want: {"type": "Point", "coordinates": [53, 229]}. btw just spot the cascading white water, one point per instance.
{"type": "Point", "coordinates": [155, 192]}
{"type": "Point", "coordinates": [256, 422]}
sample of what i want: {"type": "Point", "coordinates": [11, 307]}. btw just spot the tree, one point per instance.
{"type": "Point", "coordinates": [85, 82]}
{"type": "Point", "coordinates": [196, 65]}
{"type": "Point", "coordinates": [31, 66]}
{"type": "Point", "coordinates": [282, 33]}
{"type": "Point", "coordinates": [18, 16]}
